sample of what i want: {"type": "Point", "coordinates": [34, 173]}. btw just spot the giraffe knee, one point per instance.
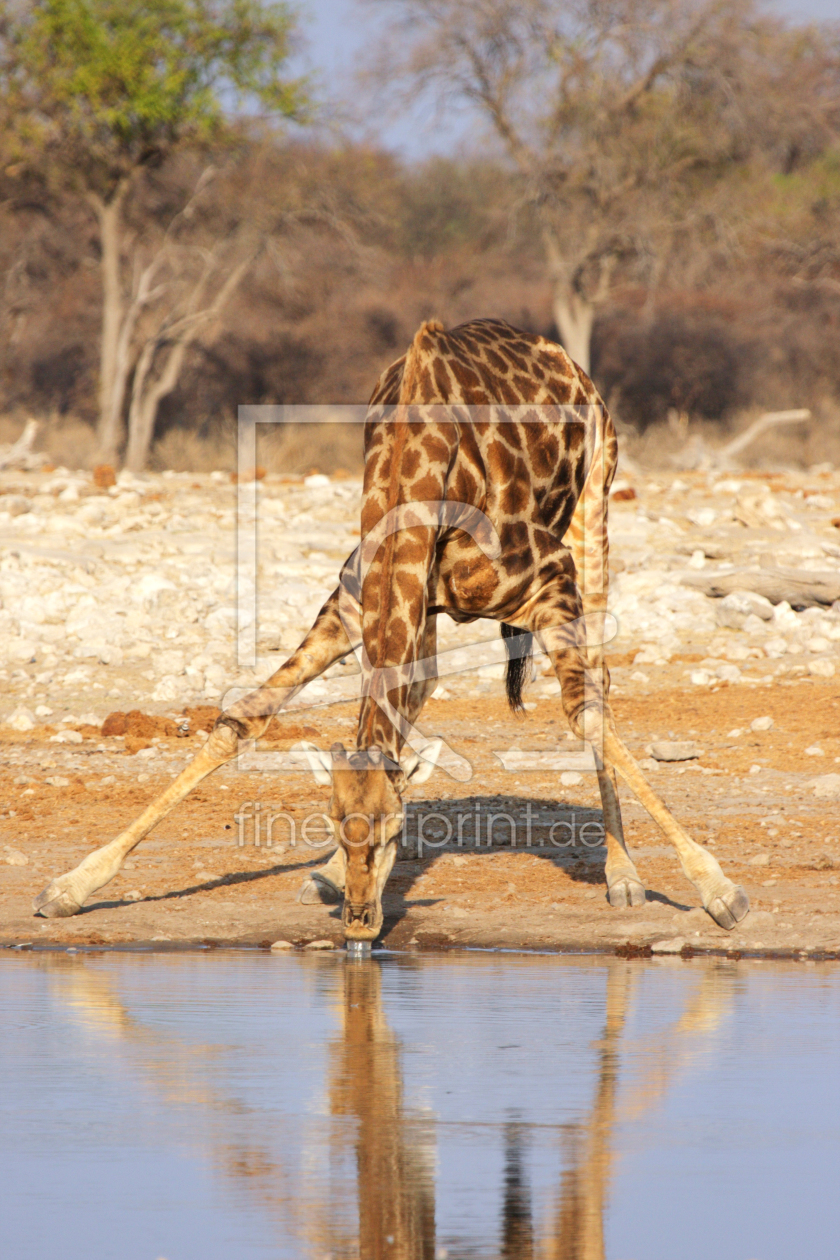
{"type": "Point", "coordinates": [591, 723]}
{"type": "Point", "coordinates": [223, 742]}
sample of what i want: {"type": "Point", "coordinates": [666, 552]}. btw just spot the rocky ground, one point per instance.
{"type": "Point", "coordinates": [120, 603]}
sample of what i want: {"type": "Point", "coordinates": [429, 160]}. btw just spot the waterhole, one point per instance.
{"type": "Point", "coordinates": [242, 1105]}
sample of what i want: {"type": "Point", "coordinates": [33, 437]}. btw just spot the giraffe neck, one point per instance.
{"type": "Point", "coordinates": [407, 460]}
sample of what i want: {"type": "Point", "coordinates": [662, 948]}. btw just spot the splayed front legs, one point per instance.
{"type": "Point", "coordinates": [248, 719]}
{"type": "Point", "coordinates": [67, 894]}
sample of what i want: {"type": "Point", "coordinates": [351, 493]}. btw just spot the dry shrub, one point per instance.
{"type": "Point", "coordinates": [188, 450]}
{"type": "Point", "coordinates": [68, 441]}
{"type": "Point", "coordinates": [298, 449]}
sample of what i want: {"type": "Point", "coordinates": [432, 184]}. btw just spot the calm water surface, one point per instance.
{"type": "Point", "coordinates": [245, 1105]}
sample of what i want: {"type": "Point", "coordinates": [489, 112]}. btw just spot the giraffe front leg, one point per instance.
{"type": "Point", "coordinates": [65, 895]}
{"type": "Point", "coordinates": [591, 719]}
{"type": "Point", "coordinates": [326, 642]}
{"type": "Point", "coordinates": [725, 901]}
{"type": "Point", "coordinates": [583, 681]}
{"type": "Point", "coordinates": [325, 886]}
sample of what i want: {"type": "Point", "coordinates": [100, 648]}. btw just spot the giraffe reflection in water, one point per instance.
{"type": "Point", "coordinates": [387, 1148]}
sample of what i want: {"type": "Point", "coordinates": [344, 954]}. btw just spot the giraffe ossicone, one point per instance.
{"type": "Point", "coordinates": [474, 506]}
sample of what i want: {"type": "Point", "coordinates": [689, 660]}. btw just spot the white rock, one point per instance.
{"type": "Point", "coordinates": [32, 609]}
{"type": "Point", "coordinates": [150, 585]}
{"type": "Point", "coordinates": [735, 609]}
{"type": "Point", "coordinates": [827, 785]}
{"type": "Point", "coordinates": [315, 480]}
{"type": "Point", "coordinates": [21, 651]}
{"type": "Point", "coordinates": [57, 780]}
{"type": "Point", "coordinates": [671, 750]}
{"type": "Point", "coordinates": [277, 946]}
{"type": "Point", "coordinates": [700, 677]}
{"type": "Point", "coordinates": [818, 644]}
{"type": "Point", "coordinates": [784, 616]}
{"type": "Point", "coordinates": [321, 945]}
{"type": "Point", "coordinates": [673, 946]}
{"type": "Point", "coordinates": [67, 737]}
{"type": "Point", "coordinates": [814, 751]}
{"type": "Point", "coordinates": [168, 662]}
{"type": "Point", "coordinates": [774, 647]}
{"type": "Point", "coordinates": [15, 504]}
{"type": "Point", "coordinates": [216, 677]}
{"type": "Point", "coordinates": [821, 668]}
{"type": "Point", "coordinates": [753, 625]}
{"type": "Point", "coordinates": [21, 719]}
{"type": "Point", "coordinates": [697, 560]}
{"type": "Point", "coordinates": [43, 710]}
{"type": "Point", "coordinates": [760, 859]}
{"type": "Point", "coordinates": [570, 778]}
{"type": "Point", "coordinates": [76, 676]}
{"type": "Point", "coordinates": [761, 724]}
{"type": "Point", "coordinates": [169, 688]}
{"type": "Point", "coordinates": [14, 857]}
{"type": "Point", "coordinates": [728, 673]}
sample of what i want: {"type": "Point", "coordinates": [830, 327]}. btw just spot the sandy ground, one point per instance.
{"type": "Point", "coordinates": [754, 796]}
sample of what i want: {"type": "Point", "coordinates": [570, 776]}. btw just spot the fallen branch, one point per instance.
{"type": "Point", "coordinates": [768, 421]}
{"type": "Point", "coordinates": [799, 588]}
{"type": "Point", "coordinates": [20, 455]}
{"type": "Point", "coordinates": [696, 454]}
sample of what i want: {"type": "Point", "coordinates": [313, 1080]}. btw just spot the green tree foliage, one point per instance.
{"type": "Point", "coordinates": [94, 91]}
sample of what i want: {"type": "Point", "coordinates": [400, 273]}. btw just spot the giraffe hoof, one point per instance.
{"type": "Point", "coordinates": [317, 890]}
{"type": "Point", "coordinates": [729, 909]}
{"type": "Point", "coordinates": [55, 903]}
{"type": "Point", "coordinates": [626, 892]}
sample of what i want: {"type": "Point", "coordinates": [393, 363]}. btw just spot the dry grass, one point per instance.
{"type": "Point", "coordinates": [292, 449]}
{"type": "Point", "coordinates": [662, 446]}
{"type": "Point", "coordinates": [298, 449]}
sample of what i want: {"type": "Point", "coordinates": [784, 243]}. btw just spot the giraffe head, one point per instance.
{"type": "Point", "coordinates": [366, 814]}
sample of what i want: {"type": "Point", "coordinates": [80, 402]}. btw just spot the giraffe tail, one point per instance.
{"type": "Point", "coordinates": [518, 645]}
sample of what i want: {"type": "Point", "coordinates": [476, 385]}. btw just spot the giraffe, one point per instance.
{"type": "Point", "coordinates": [477, 519]}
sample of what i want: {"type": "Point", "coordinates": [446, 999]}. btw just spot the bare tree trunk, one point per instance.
{"type": "Point", "coordinates": [112, 382]}
{"type": "Point", "coordinates": [146, 398]}
{"type": "Point", "coordinates": [145, 402]}
{"type": "Point", "coordinates": [574, 316]}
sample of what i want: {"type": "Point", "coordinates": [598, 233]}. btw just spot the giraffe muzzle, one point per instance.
{"type": "Point", "coordinates": [362, 922]}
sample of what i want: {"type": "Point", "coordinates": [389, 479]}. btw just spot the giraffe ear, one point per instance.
{"type": "Point", "coordinates": [320, 762]}
{"type": "Point", "coordinates": [416, 768]}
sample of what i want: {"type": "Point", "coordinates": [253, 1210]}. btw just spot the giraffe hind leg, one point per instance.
{"type": "Point", "coordinates": [325, 643]}
{"type": "Point", "coordinates": [624, 887]}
